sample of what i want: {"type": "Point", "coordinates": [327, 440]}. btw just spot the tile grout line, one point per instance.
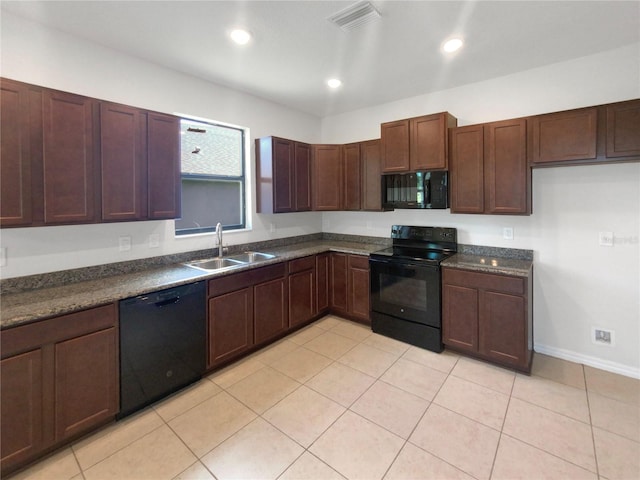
{"type": "Point", "coordinates": [593, 437]}
{"type": "Point", "coordinates": [504, 420]}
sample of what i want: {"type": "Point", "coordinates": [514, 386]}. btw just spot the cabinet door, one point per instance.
{"type": "Point", "coordinates": [460, 317]}
{"type": "Point", "coordinates": [358, 284]}
{"type": "Point", "coordinates": [163, 166]}
{"type": "Point", "coordinates": [327, 177]}
{"type": "Point", "coordinates": [270, 309]}
{"type": "Point", "coordinates": [395, 146]}
{"type": "Point", "coordinates": [22, 407]}
{"type": "Point", "coordinates": [230, 325]}
{"type": "Point", "coordinates": [68, 158]}
{"type": "Point", "coordinates": [302, 293]}
{"type": "Point", "coordinates": [467, 169]}
{"type": "Point", "coordinates": [323, 278]}
{"type": "Point", "coordinates": [302, 170]}
{"type": "Point", "coordinates": [503, 330]}
{"type": "Point", "coordinates": [122, 162]}
{"type": "Point", "coordinates": [339, 282]}
{"type": "Point", "coordinates": [371, 176]}
{"type": "Point", "coordinates": [623, 129]}
{"type": "Point", "coordinates": [283, 174]}
{"type": "Point", "coordinates": [506, 173]}
{"type": "Point", "coordinates": [86, 386]}
{"type": "Point", "coordinates": [564, 136]}
{"type": "Point", "coordinates": [15, 156]}
{"type": "Point", "coordinates": [428, 142]}
{"type": "Point", "coordinates": [352, 177]}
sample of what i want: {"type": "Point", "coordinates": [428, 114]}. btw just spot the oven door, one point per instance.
{"type": "Point", "coordinates": [406, 289]}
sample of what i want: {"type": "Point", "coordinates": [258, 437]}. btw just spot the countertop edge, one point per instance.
{"type": "Point", "coordinates": [36, 305]}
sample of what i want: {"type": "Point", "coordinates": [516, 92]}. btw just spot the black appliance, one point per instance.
{"type": "Point", "coordinates": [423, 189]}
{"type": "Point", "coordinates": [162, 344]}
{"type": "Point", "coordinates": [406, 284]}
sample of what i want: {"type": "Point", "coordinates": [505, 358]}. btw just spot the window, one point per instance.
{"type": "Point", "coordinates": [213, 180]}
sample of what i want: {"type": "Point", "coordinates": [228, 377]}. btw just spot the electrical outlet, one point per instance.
{"type": "Point", "coordinates": [603, 336]}
{"type": "Point", "coordinates": [124, 243]}
{"type": "Point", "coordinates": [507, 233]}
{"type": "Point", "coordinates": [605, 239]}
{"type": "Point", "coordinates": [3, 257]}
{"type": "Point", "coordinates": [154, 240]}
{"type": "Point", "coordinates": [369, 225]}
{"type": "Point", "coordinates": [272, 227]}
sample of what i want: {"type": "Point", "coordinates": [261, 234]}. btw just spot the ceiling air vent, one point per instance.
{"type": "Point", "coordinates": [354, 16]}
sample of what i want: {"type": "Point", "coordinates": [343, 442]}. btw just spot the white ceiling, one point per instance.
{"type": "Point", "coordinates": [295, 48]}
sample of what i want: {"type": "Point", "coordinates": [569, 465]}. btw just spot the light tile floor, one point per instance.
{"type": "Point", "coordinates": [336, 401]}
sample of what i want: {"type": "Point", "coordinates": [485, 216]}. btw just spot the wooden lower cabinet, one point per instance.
{"type": "Point", "coordinates": [323, 279]}
{"type": "Point", "coordinates": [488, 316]}
{"type": "Point", "coordinates": [230, 325]}
{"type": "Point", "coordinates": [302, 290]}
{"type": "Point", "coordinates": [350, 286]}
{"type": "Point", "coordinates": [271, 309]}
{"type": "Point", "coordinates": [245, 310]}
{"type": "Point", "coordinates": [59, 379]}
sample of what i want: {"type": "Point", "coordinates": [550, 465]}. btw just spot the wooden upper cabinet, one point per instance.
{"type": "Point", "coordinates": [69, 160]}
{"type": "Point", "coordinates": [371, 175]}
{"type": "Point", "coordinates": [489, 171]}
{"type": "Point", "coordinates": [163, 166]}
{"type": "Point", "coordinates": [123, 162]}
{"type": "Point", "coordinates": [283, 175]}
{"type": "Point", "coordinates": [623, 129]}
{"type": "Point", "coordinates": [395, 146]}
{"type": "Point", "coordinates": [283, 171]}
{"type": "Point", "coordinates": [466, 184]}
{"type": "Point", "coordinates": [302, 174]}
{"type": "Point", "coordinates": [327, 177]}
{"type": "Point", "coordinates": [418, 143]}
{"type": "Point", "coordinates": [428, 141]}
{"type": "Point", "coordinates": [15, 156]}
{"type": "Point", "coordinates": [564, 136]}
{"type": "Point", "coordinates": [507, 176]}
{"type": "Point", "coordinates": [352, 177]}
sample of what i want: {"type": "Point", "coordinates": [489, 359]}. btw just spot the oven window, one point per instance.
{"type": "Point", "coordinates": [405, 291]}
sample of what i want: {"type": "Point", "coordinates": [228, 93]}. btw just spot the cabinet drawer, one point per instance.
{"type": "Point", "coordinates": [27, 337]}
{"type": "Point", "coordinates": [359, 261]}
{"type": "Point", "coordinates": [300, 264]}
{"type": "Point", "coordinates": [231, 283]}
{"type": "Point", "coordinates": [484, 281]}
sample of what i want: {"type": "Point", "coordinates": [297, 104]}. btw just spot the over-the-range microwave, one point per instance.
{"type": "Point", "coordinates": [422, 189]}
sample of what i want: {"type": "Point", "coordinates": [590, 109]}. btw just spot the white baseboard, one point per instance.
{"type": "Point", "coordinates": [588, 360]}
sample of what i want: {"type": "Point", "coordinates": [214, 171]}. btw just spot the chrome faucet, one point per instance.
{"type": "Point", "coordinates": [219, 236]}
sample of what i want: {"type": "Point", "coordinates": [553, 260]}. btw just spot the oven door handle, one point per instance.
{"type": "Point", "coordinates": [401, 263]}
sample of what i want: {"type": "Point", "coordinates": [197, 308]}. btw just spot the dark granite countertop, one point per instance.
{"type": "Point", "coordinates": [29, 306]}
{"type": "Point", "coordinates": [518, 267]}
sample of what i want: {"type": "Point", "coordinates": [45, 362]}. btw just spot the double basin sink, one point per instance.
{"type": "Point", "coordinates": [226, 263]}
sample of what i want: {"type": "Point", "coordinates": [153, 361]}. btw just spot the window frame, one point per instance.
{"type": "Point", "coordinates": [231, 178]}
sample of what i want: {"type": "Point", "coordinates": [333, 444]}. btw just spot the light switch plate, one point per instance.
{"type": "Point", "coordinates": [124, 243]}
{"type": "Point", "coordinates": [605, 239]}
{"type": "Point", "coordinates": [154, 240]}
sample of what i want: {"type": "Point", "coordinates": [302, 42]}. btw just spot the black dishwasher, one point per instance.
{"type": "Point", "coordinates": [162, 344]}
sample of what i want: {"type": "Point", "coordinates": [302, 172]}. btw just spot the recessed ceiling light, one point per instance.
{"type": "Point", "coordinates": [452, 45]}
{"type": "Point", "coordinates": [334, 83]}
{"type": "Point", "coordinates": [241, 37]}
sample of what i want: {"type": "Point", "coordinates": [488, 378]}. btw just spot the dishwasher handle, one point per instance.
{"type": "Point", "coordinates": [168, 301]}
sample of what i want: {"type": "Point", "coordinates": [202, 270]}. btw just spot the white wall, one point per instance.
{"type": "Point", "coordinates": [577, 283]}
{"type": "Point", "coordinates": [42, 56]}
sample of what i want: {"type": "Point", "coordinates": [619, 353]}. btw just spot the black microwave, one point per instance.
{"type": "Point", "coordinates": [423, 189]}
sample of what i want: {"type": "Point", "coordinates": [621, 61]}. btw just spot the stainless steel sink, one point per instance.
{"type": "Point", "coordinates": [225, 263]}
{"type": "Point", "coordinates": [216, 264]}
{"type": "Point", "coordinates": [252, 257]}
